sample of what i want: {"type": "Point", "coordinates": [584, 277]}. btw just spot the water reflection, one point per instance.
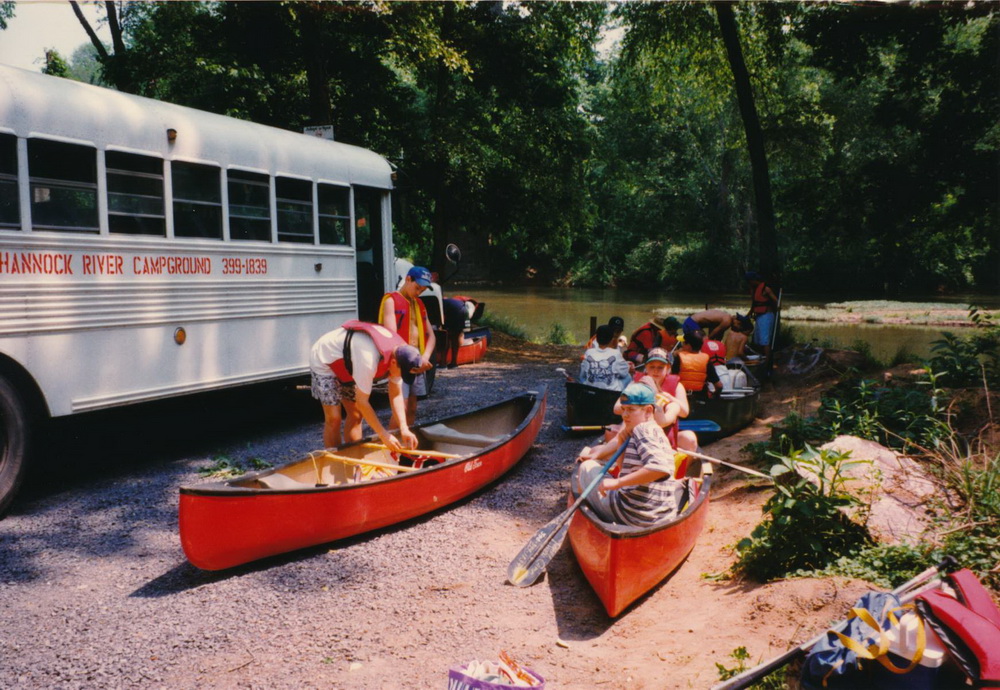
{"type": "Point", "coordinates": [538, 309]}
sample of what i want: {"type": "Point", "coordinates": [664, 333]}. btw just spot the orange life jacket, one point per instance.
{"type": "Point", "coordinates": [401, 307]}
{"type": "Point", "coordinates": [760, 303]}
{"type": "Point", "coordinates": [694, 370]}
{"type": "Point", "coordinates": [716, 352]}
{"type": "Point", "coordinates": [385, 341]}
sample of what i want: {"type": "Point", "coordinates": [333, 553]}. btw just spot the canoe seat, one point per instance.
{"type": "Point", "coordinates": [439, 433]}
{"type": "Point", "coordinates": [281, 481]}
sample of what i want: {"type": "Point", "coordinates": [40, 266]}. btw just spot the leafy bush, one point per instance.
{"type": "Point", "coordinates": [969, 360]}
{"type": "Point", "coordinates": [895, 416]}
{"type": "Point", "coordinates": [884, 565]}
{"type": "Point", "coordinates": [804, 528]}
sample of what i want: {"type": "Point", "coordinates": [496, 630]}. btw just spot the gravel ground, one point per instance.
{"type": "Point", "coordinates": [96, 592]}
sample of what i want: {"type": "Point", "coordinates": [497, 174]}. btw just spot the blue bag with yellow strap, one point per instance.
{"type": "Point", "coordinates": [856, 657]}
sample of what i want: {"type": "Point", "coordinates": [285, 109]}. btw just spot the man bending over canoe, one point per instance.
{"type": "Point", "coordinates": [345, 363]}
{"type": "Point", "coordinates": [644, 491]}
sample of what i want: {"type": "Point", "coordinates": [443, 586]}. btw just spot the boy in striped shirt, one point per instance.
{"type": "Point", "coordinates": [644, 492]}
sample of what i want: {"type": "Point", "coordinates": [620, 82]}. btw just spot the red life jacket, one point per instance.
{"type": "Point", "coordinates": [694, 370]}
{"type": "Point", "coordinates": [401, 307]}
{"type": "Point", "coordinates": [968, 626]}
{"type": "Point", "coordinates": [760, 303]}
{"type": "Point", "coordinates": [716, 352]}
{"type": "Point", "coordinates": [385, 341]}
{"type": "Point", "coordinates": [660, 338]}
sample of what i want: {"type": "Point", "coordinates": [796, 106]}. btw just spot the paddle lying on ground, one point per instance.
{"type": "Point", "coordinates": [906, 592]}
{"type": "Point", "coordinates": [529, 563]}
{"type": "Point", "coordinates": [698, 425]}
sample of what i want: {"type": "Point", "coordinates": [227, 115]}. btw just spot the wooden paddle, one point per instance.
{"type": "Point", "coordinates": [372, 463]}
{"type": "Point", "coordinates": [425, 453]}
{"type": "Point", "coordinates": [905, 592]}
{"type": "Point", "coordinates": [741, 468]}
{"type": "Point", "coordinates": [529, 563]}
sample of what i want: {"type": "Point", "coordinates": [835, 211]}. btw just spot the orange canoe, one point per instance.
{"type": "Point", "coordinates": [622, 562]}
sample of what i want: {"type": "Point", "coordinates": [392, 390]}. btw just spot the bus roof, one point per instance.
{"type": "Point", "coordinates": [33, 104]}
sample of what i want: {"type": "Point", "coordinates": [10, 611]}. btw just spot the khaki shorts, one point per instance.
{"type": "Point", "coordinates": [330, 391]}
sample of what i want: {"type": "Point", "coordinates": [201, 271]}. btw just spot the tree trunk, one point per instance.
{"type": "Point", "coordinates": [767, 243]}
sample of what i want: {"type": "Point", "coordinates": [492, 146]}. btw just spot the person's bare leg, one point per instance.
{"type": "Point", "coordinates": [331, 425]}
{"type": "Point", "coordinates": [352, 425]}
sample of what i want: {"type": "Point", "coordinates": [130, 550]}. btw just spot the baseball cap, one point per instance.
{"type": "Point", "coordinates": [617, 323]}
{"type": "Point", "coordinates": [638, 394]}
{"type": "Point", "coordinates": [420, 275]}
{"type": "Point", "coordinates": [408, 357]}
{"type": "Point", "coordinates": [657, 354]}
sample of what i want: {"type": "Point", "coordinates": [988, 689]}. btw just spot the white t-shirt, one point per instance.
{"type": "Point", "coordinates": [604, 368]}
{"type": "Point", "coordinates": [364, 357]}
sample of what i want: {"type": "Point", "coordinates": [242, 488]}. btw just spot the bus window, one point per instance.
{"type": "Point", "coordinates": [295, 218]}
{"type": "Point", "coordinates": [197, 200]}
{"type": "Point", "coordinates": [249, 206]}
{"type": "Point", "coordinates": [10, 216]}
{"type": "Point", "coordinates": [63, 181]}
{"type": "Point", "coordinates": [334, 214]}
{"type": "Point", "coordinates": [135, 194]}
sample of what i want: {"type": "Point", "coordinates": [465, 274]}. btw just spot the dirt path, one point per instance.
{"type": "Point", "coordinates": [96, 591]}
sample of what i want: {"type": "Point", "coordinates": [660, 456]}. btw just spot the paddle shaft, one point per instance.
{"type": "Point", "coordinates": [741, 468]}
{"type": "Point", "coordinates": [555, 526]}
{"type": "Point", "coordinates": [425, 453]}
{"type": "Point", "coordinates": [752, 675]}
{"type": "Point", "coordinates": [372, 463]}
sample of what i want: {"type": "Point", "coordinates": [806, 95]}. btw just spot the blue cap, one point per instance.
{"type": "Point", "coordinates": [638, 394]}
{"type": "Point", "coordinates": [420, 275]}
{"type": "Point", "coordinates": [408, 357]}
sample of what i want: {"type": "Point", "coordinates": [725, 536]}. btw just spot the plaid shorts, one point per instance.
{"type": "Point", "coordinates": [330, 391]}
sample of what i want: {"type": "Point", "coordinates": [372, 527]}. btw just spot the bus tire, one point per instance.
{"type": "Point", "coordinates": [15, 441]}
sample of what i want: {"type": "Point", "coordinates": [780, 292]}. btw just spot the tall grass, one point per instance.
{"type": "Point", "coordinates": [503, 324]}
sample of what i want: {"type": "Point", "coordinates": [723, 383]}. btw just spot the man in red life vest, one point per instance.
{"type": "Point", "coordinates": [763, 307]}
{"type": "Point", "coordinates": [345, 363]}
{"type": "Point", "coordinates": [403, 313]}
{"type": "Point", "coordinates": [660, 332]}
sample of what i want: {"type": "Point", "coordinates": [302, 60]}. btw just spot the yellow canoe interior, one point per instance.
{"type": "Point", "coordinates": [459, 438]}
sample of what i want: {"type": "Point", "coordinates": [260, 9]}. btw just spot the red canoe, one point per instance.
{"type": "Point", "coordinates": [223, 524]}
{"type": "Point", "coordinates": [473, 350]}
{"type": "Point", "coordinates": [622, 562]}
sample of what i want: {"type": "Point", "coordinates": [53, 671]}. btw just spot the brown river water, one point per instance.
{"type": "Point", "coordinates": [537, 309]}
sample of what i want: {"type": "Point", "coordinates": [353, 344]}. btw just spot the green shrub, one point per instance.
{"type": "Point", "coordinates": [503, 324]}
{"type": "Point", "coordinates": [884, 565]}
{"type": "Point", "coordinates": [772, 681]}
{"type": "Point", "coordinates": [559, 335]}
{"type": "Point", "coordinates": [969, 360]}
{"type": "Point", "coordinates": [803, 528]}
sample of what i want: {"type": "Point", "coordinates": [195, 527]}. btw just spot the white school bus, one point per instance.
{"type": "Point", "coordinates": [149, 250]}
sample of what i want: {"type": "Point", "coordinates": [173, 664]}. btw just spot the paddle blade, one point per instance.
{"type": "Point", "coordinates": [530, 563]}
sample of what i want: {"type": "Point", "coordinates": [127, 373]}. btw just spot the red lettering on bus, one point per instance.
{"type": "Point", "coordinates": [45, 264]}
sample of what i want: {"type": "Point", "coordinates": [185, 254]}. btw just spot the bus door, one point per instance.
{"type": "Point", "coordinates": [368, 238]}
